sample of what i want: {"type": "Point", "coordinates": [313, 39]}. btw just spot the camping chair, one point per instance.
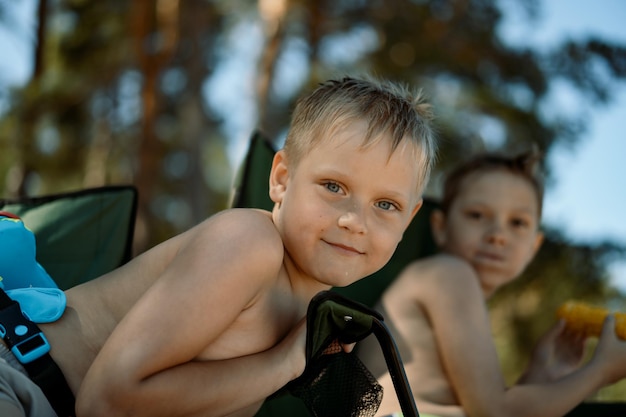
{"type": "Point", "coordinates": [79, 235]}
{"type": "Point", "coordinates": [335, 383]}
{"type": "Point", "coordinates": [353, 301]}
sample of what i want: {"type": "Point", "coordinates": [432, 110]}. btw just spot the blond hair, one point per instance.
{"type": "Point", "coordinates": [389, 109]}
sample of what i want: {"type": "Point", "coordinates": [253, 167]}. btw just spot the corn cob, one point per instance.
{"type": "Point", "coordinates": [587, 319]}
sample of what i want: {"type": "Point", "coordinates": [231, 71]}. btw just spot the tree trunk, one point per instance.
{"type": "Point", "coordinates": [155, 27]}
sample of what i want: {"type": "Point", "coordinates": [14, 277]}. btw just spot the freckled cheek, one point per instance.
{"type": "Point", "coordinates": [324, 212]}
{"type": "Point", "coordinates": [315, 216]}
{"type": "Point", "coordinates": [386, 239]}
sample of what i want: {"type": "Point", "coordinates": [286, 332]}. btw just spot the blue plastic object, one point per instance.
{"type": "Point", "coordinates": [23, 278]}
{"type": "Point", "coordinates": [18, 265]}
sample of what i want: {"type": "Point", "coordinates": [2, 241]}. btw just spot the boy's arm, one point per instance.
{"type": "Point", "coordinates": [607, 366]}
{"type": "Point", "coordinates": [456, 307]}
{"type": "Point", "coordinates": [211, 388]}
{"type": "Point", "coordinates": [452, 299]}
{"type": "Point", "coordinates": [148, 365]}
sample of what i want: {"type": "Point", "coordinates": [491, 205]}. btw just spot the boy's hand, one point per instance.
{"type": "Point", "coordinates": [611, 352]}
{"type": "Point", "coordinates": [557, 353]}
{"type": "Point", "coordinates": [336, 346]}
{"type": "Point", "coordinates": [567, 350]}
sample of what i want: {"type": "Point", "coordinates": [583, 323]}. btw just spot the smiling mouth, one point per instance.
{"type": "Point", "coordinates": [490, 257]}
{"type": "Point", "coordinates": [345, 249]}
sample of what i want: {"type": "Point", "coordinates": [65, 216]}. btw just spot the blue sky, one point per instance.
{"type": "Point", "coordinates": [16, 34]}
{"type": "Point", "coordinates": [589, 193]}
{"type": "Point", "coordinates": [588, 200]}
{"type": "Point", "coordinates": [589, 196]}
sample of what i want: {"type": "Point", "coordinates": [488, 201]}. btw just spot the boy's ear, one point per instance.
{"type": "Point", "coordinates": [538, 242]}
{"type": "Point", "coordinates": [417, 208]}
{"type": "Point", "coordinates": [438, 227]}
{"type": "Point", "coordinates": [279, 176]}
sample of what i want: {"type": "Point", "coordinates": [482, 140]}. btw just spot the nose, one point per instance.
{"type": "Point", "coordinates": [496, 233]}
{"type": "Point", "coordinates": [353, 219]}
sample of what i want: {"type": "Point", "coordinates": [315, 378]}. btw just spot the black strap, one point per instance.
{"type": "Point", "coordinates": [5, 300]}
{"type": "Point", "coordinates": [47, 374]}
{"type": "Point", "coordinates": [44, 372]}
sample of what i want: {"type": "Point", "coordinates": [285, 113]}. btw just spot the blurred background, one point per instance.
{"type": "Point", "coordinates": [165, 94]}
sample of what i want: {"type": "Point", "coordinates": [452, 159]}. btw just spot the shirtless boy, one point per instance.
{"type": "Point", "coordinates": [212, 321]}
{"type": "Point", "coordinates": [487, 232]}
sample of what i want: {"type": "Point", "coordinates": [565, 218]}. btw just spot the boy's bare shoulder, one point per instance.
{"type": "Point", "coordinates": [242, 217]}
{"type": "Point", "coordinates": [241, 230]}
{"type": "Point", "coordinates": [244, 225]}
{"type": "Point", "coordinates": [440, 267]}
{"type": "Point", "coordinates": [430, 277]}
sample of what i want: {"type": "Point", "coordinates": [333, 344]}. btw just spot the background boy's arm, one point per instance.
{"type": "Point", "coordinates": [452, 299]}
{"type": "Point", "coordinates": [455, 305]}
{"type": "Point", "coordinates": [149, 364]}
{"type": "Point", "coordinates": [607, 366]}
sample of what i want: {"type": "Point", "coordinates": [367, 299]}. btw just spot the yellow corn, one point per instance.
{"type": "Point", "coordinates": [586, 319]}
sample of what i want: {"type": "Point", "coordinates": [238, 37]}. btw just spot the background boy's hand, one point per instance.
{"type": "Point", "coordinates": [611, 352]}
{"type": "Point", "coordinates": [557, 353]}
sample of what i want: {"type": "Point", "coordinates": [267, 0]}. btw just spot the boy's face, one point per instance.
{"type": "Point", "coordinates": [493, 224]}
{"type": "Point", "coordinates": [343, 209]}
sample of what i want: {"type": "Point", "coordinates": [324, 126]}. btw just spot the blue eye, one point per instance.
{"type": "Point", "coordinates": [333, 187]}
{"type": "Point", "coordinates": [386, 205]}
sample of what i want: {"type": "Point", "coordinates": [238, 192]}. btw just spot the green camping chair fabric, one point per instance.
{"type": "Point", "coordinates": [252, 184]}
{"type": "Point", "coordinates": [79, 235]}
{"type": "Point", "coordinates": [335, 383]}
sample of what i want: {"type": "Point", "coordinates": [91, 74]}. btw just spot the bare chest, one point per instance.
{"type": "Point", "coordinates": [256, 329]}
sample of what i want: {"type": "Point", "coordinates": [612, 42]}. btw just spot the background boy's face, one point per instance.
{"type": "Point", "coordinates": [343, 209]}
{"type": "Point", "coordinates": [493, 224]}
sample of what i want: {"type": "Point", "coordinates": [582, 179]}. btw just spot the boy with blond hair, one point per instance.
{"type": "Point", "coordinates": [212, 321]}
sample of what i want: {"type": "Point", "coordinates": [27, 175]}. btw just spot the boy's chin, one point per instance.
{"type": "Point", "coordinates": [341, 281]}
{"type": "Point", "coordinates": [494, 280]}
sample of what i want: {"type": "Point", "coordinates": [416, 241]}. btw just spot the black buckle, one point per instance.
{"type": "Point", "coordinates": [23, 337]}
